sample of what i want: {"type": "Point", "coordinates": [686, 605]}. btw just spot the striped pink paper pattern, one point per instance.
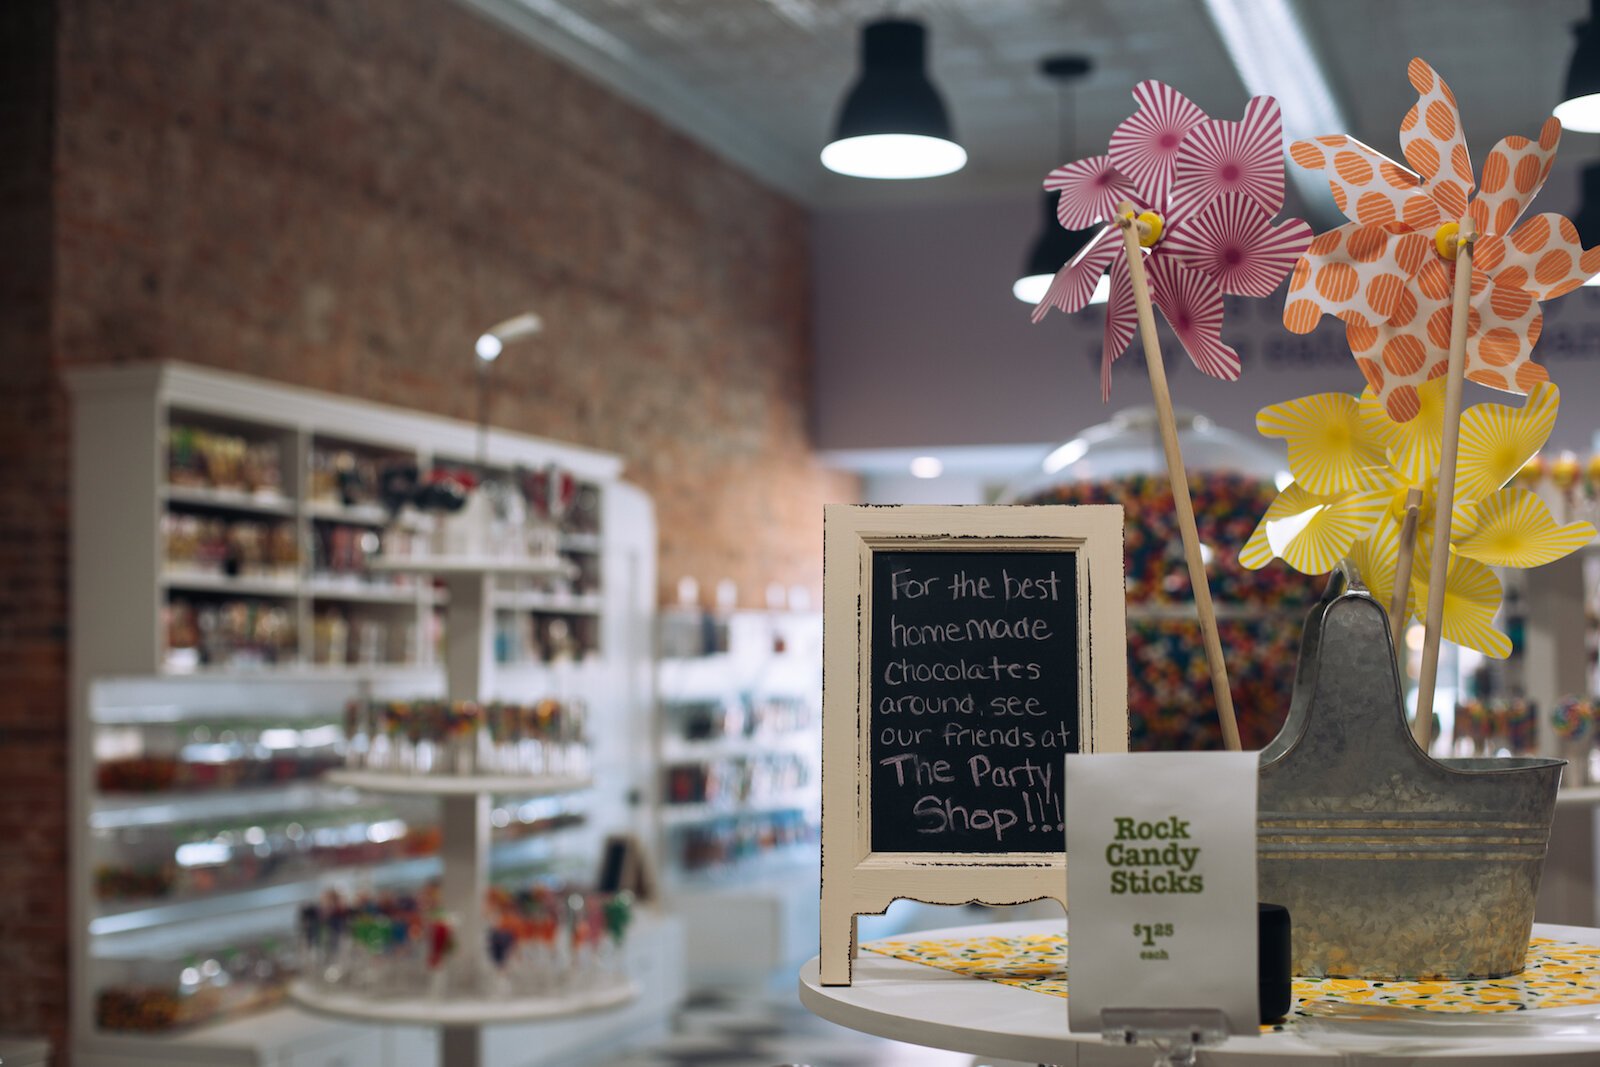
{"type": "Point", "coordinates": [1245, 157]}
{"type": "Point", "coordinates": [1090, 191]}
{"type": "Point", "coordinates": [1145, 146]}
{"type": "Point", "coordinates": [1233, 241]}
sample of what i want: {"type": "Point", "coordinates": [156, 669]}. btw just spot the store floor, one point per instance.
{"type": "Point", "coordinates": [765, 1028]}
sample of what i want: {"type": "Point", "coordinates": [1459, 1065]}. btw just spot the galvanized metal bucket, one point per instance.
{"type": "Point", "coordinates": [1393, 865]}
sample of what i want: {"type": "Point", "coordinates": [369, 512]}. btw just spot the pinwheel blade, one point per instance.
{"type": "Point", "coordinates": [1090, 191]}
{"type": "Point", "coordinates": [1073, 285]}
{"type": "Point", "coordinates": [1233, 242]}
{"type": "Point", "coordinates": [1433, 142]}
{"type": "Point", "coordinates": [1192, 305]}
{"type": "Point", "coordinates": [1514, 528]}
{"type": "Point", "coordinates": [1513, 174]}
{"type": "Point", "coordinates": [1219, 157]}
{"type": "Point", "coordinates": [1145, 146]}
{"type": "Point", "coordinates": [1121, 318]}
{"type": "Point", "coordinates": [1331, 450]}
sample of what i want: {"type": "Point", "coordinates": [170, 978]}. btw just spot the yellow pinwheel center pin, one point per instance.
{"type": "Point", "coordinates": [1150, 232]}
{"type": "Point", "coordinates": [1447, 239]}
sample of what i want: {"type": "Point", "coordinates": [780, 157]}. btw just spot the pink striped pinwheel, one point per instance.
{"type": "Point", "coordinates": [1390, 271]}
{"type": "Point", "coordinates": [1208, 189]}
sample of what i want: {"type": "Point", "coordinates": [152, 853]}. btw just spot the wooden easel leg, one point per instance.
{"type": "Point", "coordinates": [838, 943]}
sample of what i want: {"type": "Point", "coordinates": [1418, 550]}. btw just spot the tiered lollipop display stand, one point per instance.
{"type": "Point", "coordinates": [468, 1001]}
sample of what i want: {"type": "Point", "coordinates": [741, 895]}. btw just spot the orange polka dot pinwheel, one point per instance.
{"type": "Point", "coordinates": [1390, 271]}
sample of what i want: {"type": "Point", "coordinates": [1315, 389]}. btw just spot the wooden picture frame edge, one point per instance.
{"type": "Point", "coordinates": [856, 881]}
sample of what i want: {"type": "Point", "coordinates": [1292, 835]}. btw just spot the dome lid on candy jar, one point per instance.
{"type": "Point", "coordinates": [1129, 444]}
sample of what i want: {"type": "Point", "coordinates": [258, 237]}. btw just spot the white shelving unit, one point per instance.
{"type": "Point", "coordinates": [123, 680]}
{"type": "Point", "coordinates": [748, 914]}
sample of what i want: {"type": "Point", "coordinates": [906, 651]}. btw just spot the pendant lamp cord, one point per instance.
{"type": "Point", "coordinates": [1066, 122]}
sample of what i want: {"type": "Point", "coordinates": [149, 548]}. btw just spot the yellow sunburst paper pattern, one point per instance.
{"type": "Point", "coordinates": [1559, 974]}
{"type": "Point", "coordinates": [1353, 468]}
{"type": "Point", "coordinates": [1328, 451]}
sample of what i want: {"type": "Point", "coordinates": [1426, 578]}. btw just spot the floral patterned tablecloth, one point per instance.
{"type": "Point", "coordinates": [1560, 974]}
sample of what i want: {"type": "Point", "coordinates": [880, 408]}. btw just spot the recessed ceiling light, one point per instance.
{"type": "Point", "coordinates": [927, 467]}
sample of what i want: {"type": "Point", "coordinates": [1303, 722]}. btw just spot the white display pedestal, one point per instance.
{"type": "Point", "coordinates": [923, 1005]}
{"type": "Point", "coordinates": [464, 822]}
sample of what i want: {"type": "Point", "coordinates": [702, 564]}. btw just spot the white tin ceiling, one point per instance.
{"type": "Point", "coordinates": [758, 80]}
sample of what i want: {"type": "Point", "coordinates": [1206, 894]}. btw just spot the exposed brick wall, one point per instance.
{"type": "Point", "coordinates": [341, 194]}
{"type": "Point", "coordinates": [33, 585]}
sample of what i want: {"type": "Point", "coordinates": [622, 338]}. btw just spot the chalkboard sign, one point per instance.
{"type": "Point", "coordinates": [974, 699]}
{"type": "Point", "coordinates": [966, 651]}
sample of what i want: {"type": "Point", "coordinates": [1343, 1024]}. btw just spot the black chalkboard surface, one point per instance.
{"type": "Point", "coordinates": [974, 699]}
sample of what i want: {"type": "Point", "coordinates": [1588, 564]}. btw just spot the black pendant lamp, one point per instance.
{"type": "Point", "coordinates": [1587, 220]}
{"type": "Point", "coordinates": [893, 123]}
{"type": "Point", "coordinates": [1055, 246]}
{"type": "Point", "coordinates": [1580, 100]}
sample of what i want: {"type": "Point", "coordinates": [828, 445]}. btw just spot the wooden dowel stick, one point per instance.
{"type": "Point", "coordinates": [1402, 573]}
{"type": "Point", "coordinates": [1445, 496]}
{"type": "Point", "coordinates": [1178, 476]}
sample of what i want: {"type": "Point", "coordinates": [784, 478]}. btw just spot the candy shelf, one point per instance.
{"type": "Point", "coordinates": [197, 582]}
{"type": "Point", "coordinates": [351, 514]}
{"type": "Point", "coordinates": [397, 873]}
{"type": "Point", "coordinates": [122, 810]}
{"type": "Point", "coordinates": [472, 567]}
{"type": "Point", "coordinates": [550, 603]}
{"type": "Point", "coordinates": [686, 814]}
{"type": "Point", "coordinates": [364, 593]}
{"type": "Point", "coordinates": [160, 448]}
{"type": "Point", "coordinates": [458, 785]}
{"type": "Point", "coordinates": [228, 500]}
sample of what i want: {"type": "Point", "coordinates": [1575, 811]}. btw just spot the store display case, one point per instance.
{"type": "Point", "coordinates": [237, 591]}
{"type": "Point", "coordinates": [739, 750]}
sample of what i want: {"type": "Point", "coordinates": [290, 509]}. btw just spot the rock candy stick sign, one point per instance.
{"type": "Point", "coordinates": [967, 651]}
{"type": "Point", "coordinates": [1163, 884]}
{"type": "Point", "coordinates": [1192, 200]}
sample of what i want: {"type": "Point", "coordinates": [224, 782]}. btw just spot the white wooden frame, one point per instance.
{"type": "Point", "coordinates": [856, 880]}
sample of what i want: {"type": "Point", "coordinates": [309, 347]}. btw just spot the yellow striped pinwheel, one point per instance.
{"type": "Point", "coordinates": [1376, 558]}
{"type": "Point", "coordinates": [1365, 465]}
{"type": "Point", "coordinates": [1497, 439]}
{"type": "Point", "coordinates": [1413, 447]}
{"type": "Point", "coordinates": [1514, 528]}
{"type": "Point", "coordinates": [1330, 449]}
{"type": "Point", "coordinates": [1471, 598]}
{"type": "Point", "coordinates": [1312, 533]}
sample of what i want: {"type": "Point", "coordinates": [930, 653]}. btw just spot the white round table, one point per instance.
{"type": "Point", "coordinates": [924, 1005]}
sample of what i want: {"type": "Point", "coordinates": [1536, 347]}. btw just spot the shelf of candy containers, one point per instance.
{"type": "Point", "coordinates": [462, 747]}
{"type": "Point", "coordinates": [551, 949]}
{"type": "Point", "coordinates": [1232, 479]}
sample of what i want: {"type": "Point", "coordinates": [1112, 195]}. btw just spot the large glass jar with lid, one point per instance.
{"type": "Point", "coordinates": [1232, 479]}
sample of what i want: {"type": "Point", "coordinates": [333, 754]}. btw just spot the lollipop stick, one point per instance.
{"type": "Point", "coordinates": [1178, 476]}
{"type": "Point", "coordinates": [1402, 570]}
{"type": "Point", "coordinates": [1445, 496]}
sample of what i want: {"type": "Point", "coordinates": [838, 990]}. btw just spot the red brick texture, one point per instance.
{"type": "Point", "coordinates": [33, 564]}
{"type": "Point", "coordinates": [341, 194]}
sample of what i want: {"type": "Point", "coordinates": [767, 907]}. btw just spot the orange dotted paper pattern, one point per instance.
{"type": "Point", "coordinates": [1384, 275]}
